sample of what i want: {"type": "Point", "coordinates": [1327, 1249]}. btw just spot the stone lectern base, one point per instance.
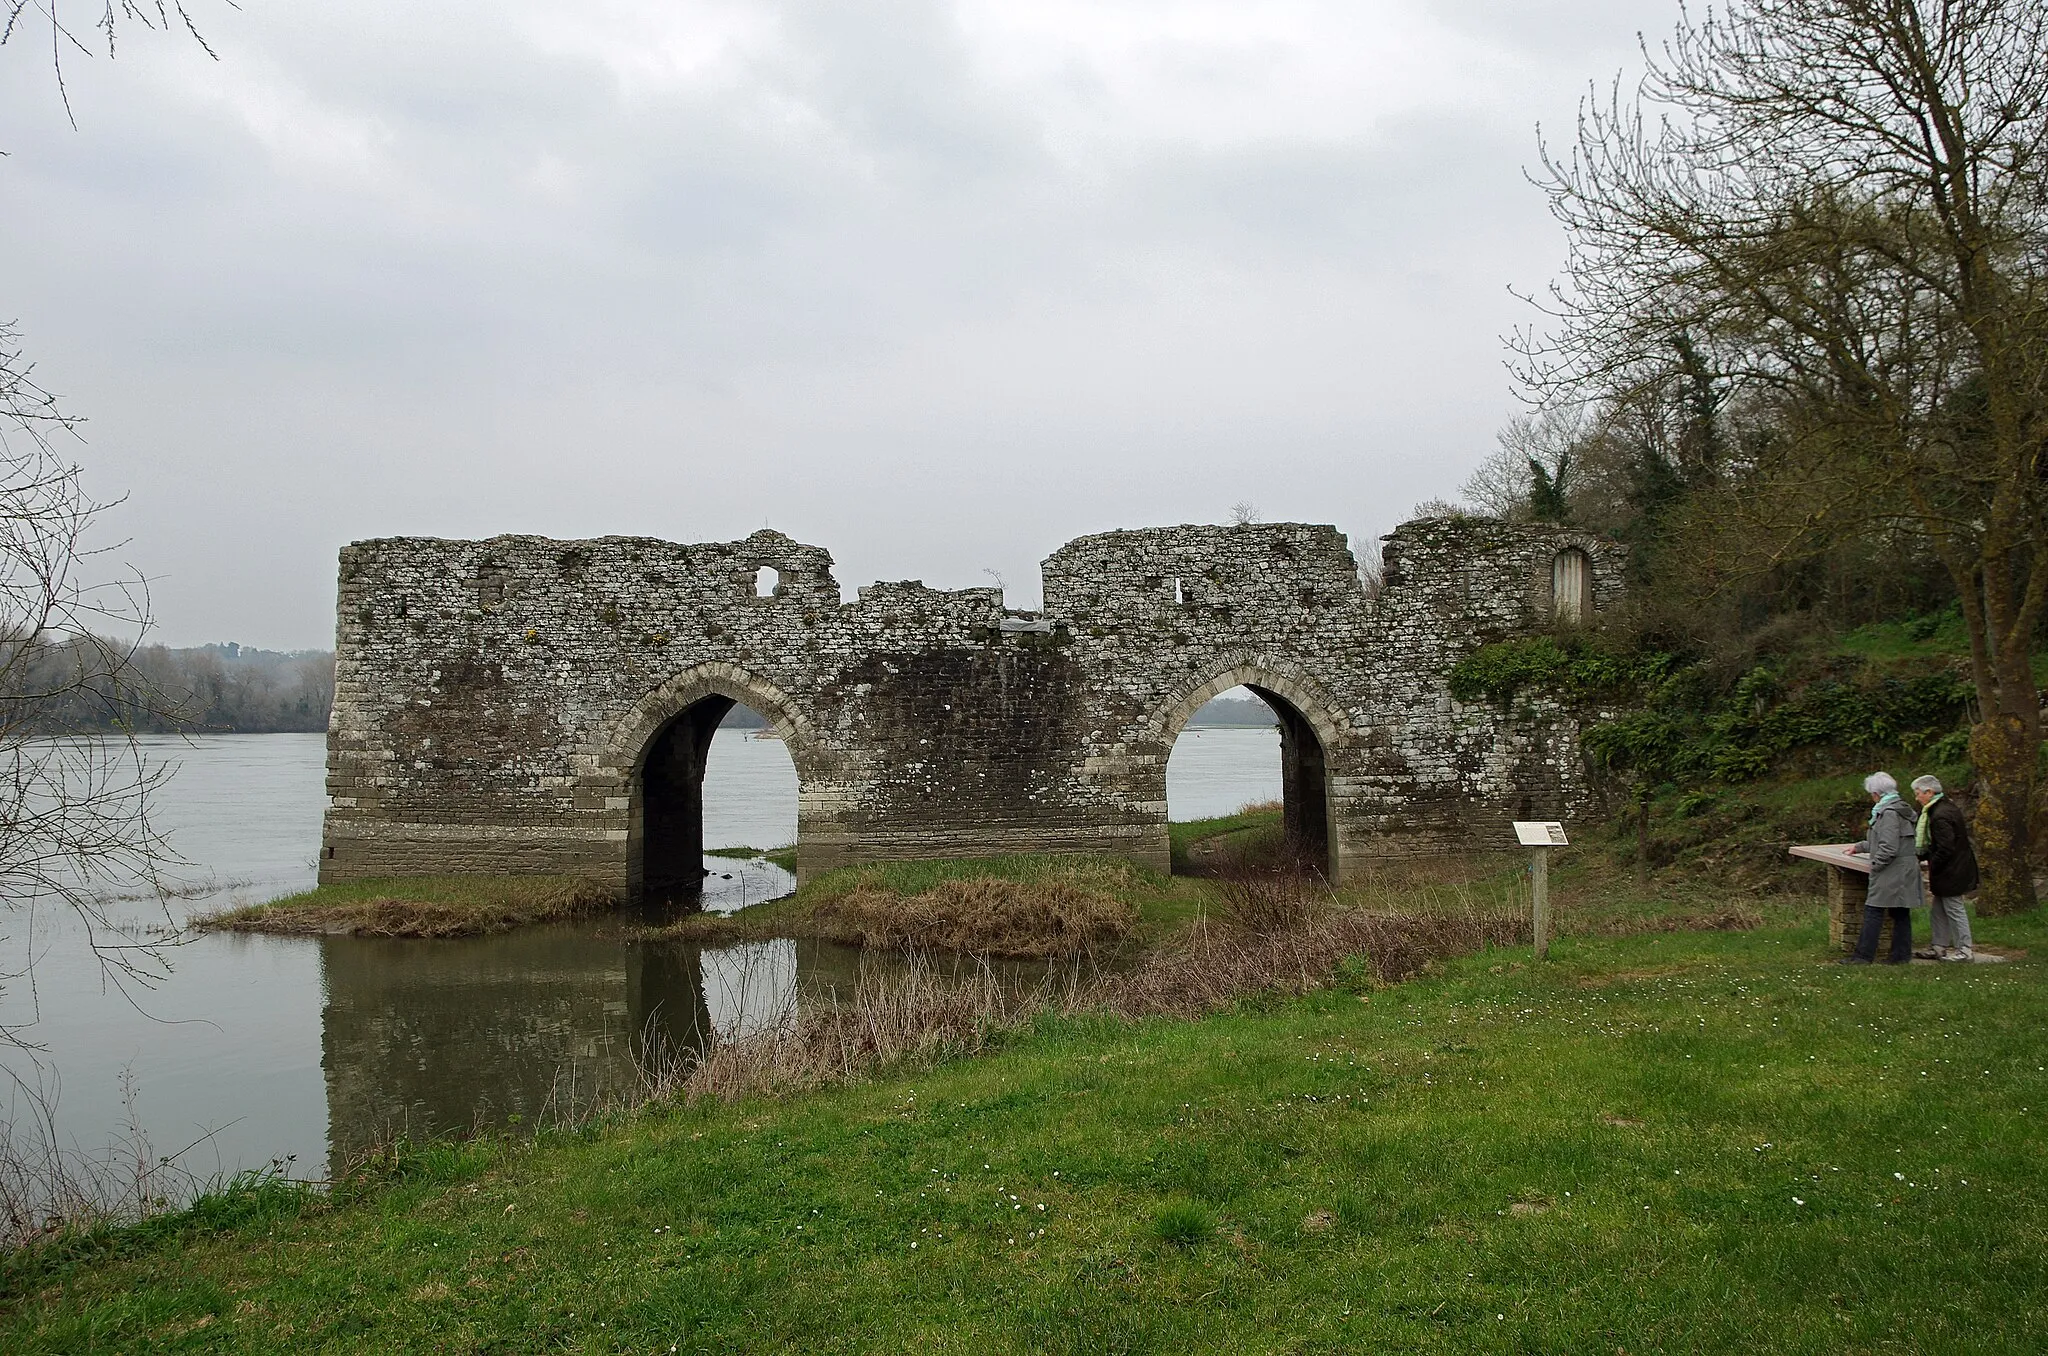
{"type": "Point", "coordinates": [1848, 885]}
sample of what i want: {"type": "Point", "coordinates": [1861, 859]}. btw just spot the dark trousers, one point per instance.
{"type": "Point", "coordinates": [1902, 934]}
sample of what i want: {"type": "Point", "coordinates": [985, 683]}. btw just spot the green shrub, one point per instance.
{"type": "Point", "coordinates": [1576, 668]}
{"type": "Point", "coordinates": [1685, 732]}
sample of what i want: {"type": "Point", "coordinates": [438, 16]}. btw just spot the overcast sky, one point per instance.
{"type": "Point", "coordinates": [935, 286]}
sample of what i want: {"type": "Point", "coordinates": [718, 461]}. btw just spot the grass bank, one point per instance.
{"type": "Point", "coordinates": [1021, 905]}
{"type": "Point", "coordinates": [422, 906]}
{"type": "Point", "coordinates": [784, 857]}
{"type": "Point", "coordinates": [1688, 1141]}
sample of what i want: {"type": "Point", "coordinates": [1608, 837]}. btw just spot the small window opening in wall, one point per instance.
{"type": "Point", "coordinates": [766, 580]}
{"type": "Point", "coordinates": [1571, 585]}
{"type": "Point", "coordinates": [1180, 591]}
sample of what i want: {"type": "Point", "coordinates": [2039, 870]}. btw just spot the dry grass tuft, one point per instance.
{"type": "Point", "coordinates": [983, 916]}
{"type": "Point", "coordinates": [49, 1190]}
{"type": "Point", "coordinates": [920, 1014]}
{"type": "Point", "coordinates": [1209, 969]}
{"type": "Point", "coordinates": [925, 1015]}
{"type": "Point", "coordinates": [1265, 902]}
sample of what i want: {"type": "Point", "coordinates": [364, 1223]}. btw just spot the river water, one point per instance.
{"type": "Point", "coordinates": [254, 1049]}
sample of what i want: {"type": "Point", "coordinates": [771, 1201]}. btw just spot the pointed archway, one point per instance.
{"type": "Point", "coordinates": [1308, 737]}
{"type": "Point", "coordinates": [661, 751]}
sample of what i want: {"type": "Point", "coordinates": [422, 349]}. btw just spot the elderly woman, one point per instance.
{"type": "Point", "coordinates": [1943, 842]}
{"type": "Point", "coordinates": [1894, 873]}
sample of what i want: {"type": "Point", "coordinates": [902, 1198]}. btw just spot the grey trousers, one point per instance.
{"type": "Point", "coordinates": [1950, 924]}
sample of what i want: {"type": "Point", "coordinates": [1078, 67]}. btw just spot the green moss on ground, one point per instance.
{"type": "Point", "coordinates": [1684, 1142]}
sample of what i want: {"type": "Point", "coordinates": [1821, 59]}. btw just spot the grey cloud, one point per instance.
{"type": "Point", "coordinates": [449, 280]}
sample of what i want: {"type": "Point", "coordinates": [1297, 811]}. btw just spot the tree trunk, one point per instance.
{"type": "Point", "coordinates": [2006, 749]}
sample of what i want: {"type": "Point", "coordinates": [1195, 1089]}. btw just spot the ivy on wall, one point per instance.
{"type": "Point", "coordinates": [1687, 727]}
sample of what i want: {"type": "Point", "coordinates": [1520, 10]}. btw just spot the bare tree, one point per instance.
{"type": "Point", "coordinates": [1499, 486]}
{"type": "Point", "coordinates": [42, 22]}
{"type": "Point", "coordinates": [1837, 210]}
{"type": "Point", "coordinates": [1244, 513]}
{"type": "Point", "coordinates": [75, 822]}
{"type": "Point", "coordinates": [1372, 569]}
{"type": "Point", "coordinates": [1547, 440]}
{"type": "Point", "coordinates": [74, 793]}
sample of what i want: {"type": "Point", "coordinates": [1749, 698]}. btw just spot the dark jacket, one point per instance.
{"type": "Point", "coordinates": [1951, 862]}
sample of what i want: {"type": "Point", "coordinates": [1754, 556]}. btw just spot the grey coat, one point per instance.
{"type": "Point", "coordinates": [1894, 869]}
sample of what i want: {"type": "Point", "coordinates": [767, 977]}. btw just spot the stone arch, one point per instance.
{"type": "Point", "coordinates": [1288, 681]}
{"type": "Point", "coordinates": [625, 740]}
{"type": "Point", "coordinates": [1311, 731]}
{"type": "Point", "coordinates": [652, 762]}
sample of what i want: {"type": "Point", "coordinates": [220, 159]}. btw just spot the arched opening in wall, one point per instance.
{"type": "Point", "coordinates": [1571, 585]}
{"type": "Point", "coordinates": [713, 823]}
{"type": "Point", "coordinates": [1247, 788]}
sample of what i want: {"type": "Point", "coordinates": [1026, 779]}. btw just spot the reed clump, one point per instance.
{"type": "Point", "coordinates": [1265, 901]}
{"type": "Point", "coordinates": [919, 1014]}
{"type": "Point", "coordinates": [984, 916]}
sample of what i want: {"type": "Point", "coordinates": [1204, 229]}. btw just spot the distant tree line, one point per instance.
{"type": "Point", "coordinates": [89, 684]}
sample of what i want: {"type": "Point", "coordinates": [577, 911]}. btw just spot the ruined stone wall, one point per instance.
{"type": "Point", "coordinates": [494, 699]}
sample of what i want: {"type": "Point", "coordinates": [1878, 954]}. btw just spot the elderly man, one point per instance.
{"type": "Point", "coordinates": [1942, 840]}
{"type": "Point", "coordinates": [1894, 873]}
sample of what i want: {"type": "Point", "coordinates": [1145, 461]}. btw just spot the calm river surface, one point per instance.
{"type": "Point", "coordinates": [259, 1048]}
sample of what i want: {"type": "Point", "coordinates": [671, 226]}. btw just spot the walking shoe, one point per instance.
{"type": "Point", "coordinates": [1960, 955]}
{"type": "Point", "coordinates": [1852, 960]}
{"type": "Point", "coordinates": [1928, 953]}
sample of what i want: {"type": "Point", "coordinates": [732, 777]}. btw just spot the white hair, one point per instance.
{"type": "Point", "coordinates": [1927, 783]}
{"type": "Point", "coordinates": [1880, 784]}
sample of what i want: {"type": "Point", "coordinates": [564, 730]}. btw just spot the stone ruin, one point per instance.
{"type": "Point", "coordinates": [522, 705]}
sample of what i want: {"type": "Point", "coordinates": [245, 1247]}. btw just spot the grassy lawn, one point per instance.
{"type": "Point", "coordinates": [1678, 1142]}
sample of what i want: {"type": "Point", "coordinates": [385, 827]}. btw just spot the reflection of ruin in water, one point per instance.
{"type": "Point", "coordinates": [423, 1038]}
{"type": "Point", "coordinates": [437, 1037]}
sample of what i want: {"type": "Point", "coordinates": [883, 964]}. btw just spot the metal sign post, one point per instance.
{"type": "Point", "coordinates": [1540, 836]}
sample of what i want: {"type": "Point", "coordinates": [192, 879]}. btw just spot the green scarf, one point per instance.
{"type": "Point", "coordinates": [1923, 832]}
{"type": "Point", "coordinates": [1882, 801]}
